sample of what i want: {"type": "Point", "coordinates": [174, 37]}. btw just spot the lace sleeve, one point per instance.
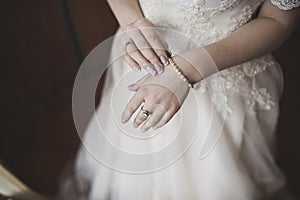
{"type": "Point", "coordinates": [286, 4]}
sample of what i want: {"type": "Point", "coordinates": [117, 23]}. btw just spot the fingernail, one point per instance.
{"type": "Point", "coordinates": [157, 126]}
{"type": "Point", "coordinates": [125, 117]}
{"type": "Point", "coordinates": [150, 70]}
{"type": "Point", "coordinates": [164, 60]}
{"type": "Point", "coordinates": [132, 87]}
{"type": "Point", "coordinates": [135, 125]}
{"type": "Point", "coordinates": [123, 120]}
{"type": "Point", "coordinates": [136, 68]}
{"type": "Point", "coordinates": [158, 67]}
{"type": "Point", "coordinates": [143, 130]}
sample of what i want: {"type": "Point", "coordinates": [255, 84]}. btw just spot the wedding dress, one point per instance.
{"type": "Point", "coordinates": [219, 146]}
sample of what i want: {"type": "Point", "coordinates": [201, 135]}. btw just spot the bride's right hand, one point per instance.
{"type": "Point", "coordinates": [161, 97]}
{"type": "Point", "coordinates": [143, 48]}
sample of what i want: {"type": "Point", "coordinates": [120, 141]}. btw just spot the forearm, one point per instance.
{"type": "Point", "coordinates": [260, 36]}
{"type": "Point", "coordinates": [126, 11]}
{"type": "Point", "coordinates": [255, 39]}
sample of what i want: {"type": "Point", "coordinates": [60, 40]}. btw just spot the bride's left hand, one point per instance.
{"type": "Point", "coordinates": [161, 96]}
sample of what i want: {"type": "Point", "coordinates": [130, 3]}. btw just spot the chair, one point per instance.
{"type": "Point", "coordinates": [11, 188]}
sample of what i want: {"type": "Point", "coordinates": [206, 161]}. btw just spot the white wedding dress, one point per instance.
{"type": "Point", "coordinates": [219, 146]}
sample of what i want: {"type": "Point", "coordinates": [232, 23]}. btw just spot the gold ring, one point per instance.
{"type": "Point", "coordinates": [146, 113]}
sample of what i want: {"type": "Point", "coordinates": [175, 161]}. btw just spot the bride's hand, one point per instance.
{"type": "Point", "coordinates": [142, 47]}
{"type": "Point", "coordinates": [161, 96]}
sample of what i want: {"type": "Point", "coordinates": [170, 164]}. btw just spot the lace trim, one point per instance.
{"type": "Point", "coordinates": [241, 79]}
{"type": "Point", "coordinates": [286, 4]}
{"type": "Point", "coordinates": [195, 23]}
{"type": "Point", "coordinates": [226, 5]}
{"type": "Point", "coordinates": [245, 17]}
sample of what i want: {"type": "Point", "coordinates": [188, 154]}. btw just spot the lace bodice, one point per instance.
{"type": "Point", "coordinates": [286, 4]}
{"type": "Point", "coordinates": [208, 21]}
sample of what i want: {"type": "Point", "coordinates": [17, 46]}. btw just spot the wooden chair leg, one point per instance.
{"type": "Point", "coordinates": [12, 188]}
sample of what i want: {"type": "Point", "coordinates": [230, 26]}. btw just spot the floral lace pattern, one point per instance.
{"type": "Point", "coordinates": [206, 24]}
{"type": "Point", "coordinates": [225, 5]}
{"type": "Point", "coordinates": [286, 4]}
{"type": "Point", "coordinates": [241, 79]}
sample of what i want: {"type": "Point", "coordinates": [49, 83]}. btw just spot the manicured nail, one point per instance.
{"type": "Point", "coordinates": [164, 60]}
{"type": "Point", "coordinates": [157, 126]}
{"type": "Point", "coordinates": [135, 125]}
{"type": "Point", "coordinates": [150, 70]}
{"type": "Point", "coordinates": [132, 87]}
{"type": "Point", "coordinates": [125, 117]}
{"type": "Point", "coordinates": [158, 67]}
{"type": "Point", "coordinates": [143, 130]}
{"type": "Point", "coordinates": [136, 68]}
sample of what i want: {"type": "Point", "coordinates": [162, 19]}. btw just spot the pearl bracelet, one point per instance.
{"type": "Point", "coordinates": [180, 73]}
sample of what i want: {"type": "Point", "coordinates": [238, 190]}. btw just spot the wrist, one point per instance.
{"type": "Point", "coordinates": [172, 81]}
{"type": "Point", "coordinates": [125, 11]}
{"type": "Point", "coordinates": [191, 73]}
{"type": "Point", "coordinates": [196, 64]}
{"type": "Point", "coordinates": [173, 65]}
{"type": "Point", "coordinates": [134, 23]}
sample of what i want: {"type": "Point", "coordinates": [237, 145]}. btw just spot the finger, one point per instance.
{"type": "Point", "coordinates": [153, 119]}
{"type": "Point", "coordinates": [138, 57]}
{"type": "Point", "coordinates": [141, 117]}
{"type": "Point", "coordinates": [138, 84]}
{"type": "Point", "coordinates": [145, 48]}
{"type": "Point", "coordinates": [151, 56]}
{"type": "Point", "coordinates": [165, 119]}
{"type": "Point", "coordinates": [131, 107]}
{"type": "Point", "coordinates": [158, 45]}
{"type": "Point", "coordinates": [134, 65]}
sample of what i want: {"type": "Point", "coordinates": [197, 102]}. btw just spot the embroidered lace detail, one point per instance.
{"type": "Point", "coordinates": [225, 5]}
{"type": "Point", "coordinates": [197, 21]}
{"type": "Point", "coordinates": [245, 17]}
{"type": "Point", "coordinates": [241, 79]}
{"type": "Point", "coordinates": [286, 4]}
{"type": "Point", "coordinates": [247, 13]}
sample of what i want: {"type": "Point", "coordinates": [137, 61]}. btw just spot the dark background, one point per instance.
{"type": "Point", "coordinates": [42, 45]}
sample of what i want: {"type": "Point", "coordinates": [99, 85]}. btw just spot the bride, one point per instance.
{"type": "Point", "coordinates": [198, 118]}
